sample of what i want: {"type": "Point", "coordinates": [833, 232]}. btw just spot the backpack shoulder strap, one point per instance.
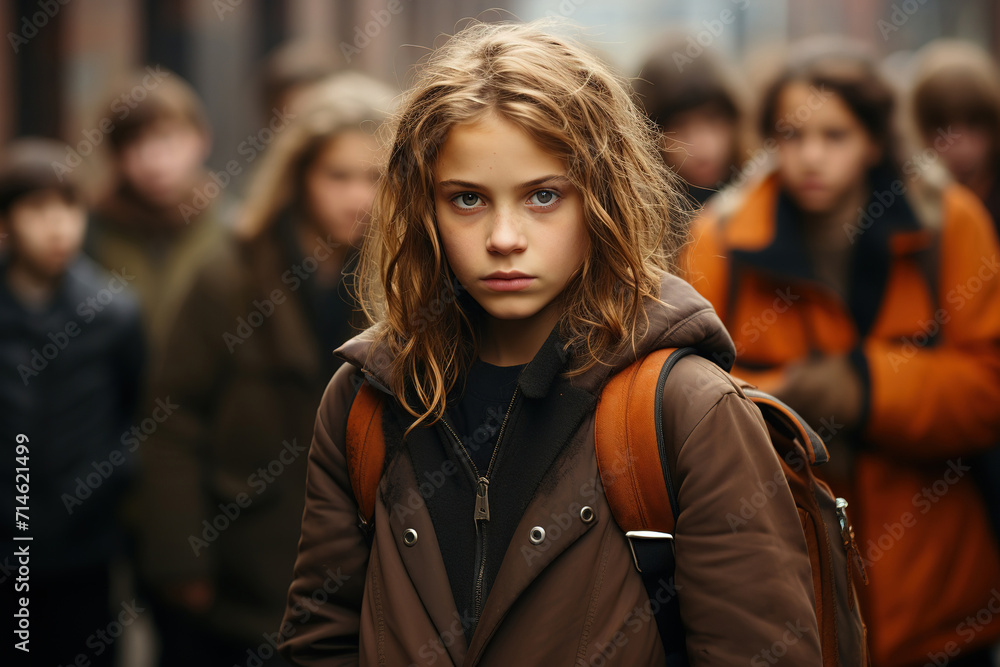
{"type": "Point", "coordinates": [637, 482]}
{"type": "Point", "coordinates": [636, 477]}
{"type": "Point", "coordinates": [365, 449]}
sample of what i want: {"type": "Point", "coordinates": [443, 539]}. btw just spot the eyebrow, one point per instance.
{"type": "Point", "coordinates": [551, 178]}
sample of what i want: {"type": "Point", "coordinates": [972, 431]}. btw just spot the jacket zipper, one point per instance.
{"type": "Point", "coordinates": [482, 509]}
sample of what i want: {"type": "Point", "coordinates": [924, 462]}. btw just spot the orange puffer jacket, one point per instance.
{"type": "Point", "coordinates": [931, 371]}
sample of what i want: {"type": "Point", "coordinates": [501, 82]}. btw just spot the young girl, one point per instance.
{"type": "Point", "coordinates": [523, 236]}
{"type": "Point", "coordinates": [865, 296]}
{"type": "Point", "coordinates": [246, 364]}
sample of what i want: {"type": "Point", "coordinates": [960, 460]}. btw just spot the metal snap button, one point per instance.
{"type": "Point", "coordinates": [409, 537]}
{"type": "Point", "coordinates": [587, 514]}
{"type": "Point", "coordinates": [537, 535]}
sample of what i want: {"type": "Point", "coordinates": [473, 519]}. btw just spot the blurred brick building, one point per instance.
{"type": "Point", "coordinates": [61, 56]}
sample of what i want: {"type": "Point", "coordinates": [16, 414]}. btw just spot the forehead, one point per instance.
{"type": "Point", "coordinates": [803, 105]}
{"type": "Point", "coordinates": [493, 149]}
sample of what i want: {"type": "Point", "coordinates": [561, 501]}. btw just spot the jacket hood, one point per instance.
{"type": "Point", "coordinates": [685, 319]}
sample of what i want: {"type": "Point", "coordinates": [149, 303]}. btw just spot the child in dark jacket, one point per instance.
{"type": "Point", "coordinates": [521, 253]}
{"type": "Point", "coordinates": [71, 350]}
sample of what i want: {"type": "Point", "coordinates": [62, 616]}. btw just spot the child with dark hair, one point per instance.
{"type": "Point", "coordinates": [71, 351]}
{"type": "Point", "coordinates": [956, 106]}
{"type": "Point", "coordinates": [864, 295]}
{"type": "Point", "coordinates": [698, 106]}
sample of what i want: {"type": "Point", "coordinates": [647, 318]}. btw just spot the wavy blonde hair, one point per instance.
{"type": "Point", "coordinates": [342, 102]}
{"type": "Point", "coordinates": [575, 107]}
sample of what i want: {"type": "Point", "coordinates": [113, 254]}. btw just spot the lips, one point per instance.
{"type": "Point", "coordinates": [507, 281]}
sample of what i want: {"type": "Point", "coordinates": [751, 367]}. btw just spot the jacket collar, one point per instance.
{"type": "Point", "coordinates": [685, 319]}
{"type": "Point", "coordinates": [764, 235]}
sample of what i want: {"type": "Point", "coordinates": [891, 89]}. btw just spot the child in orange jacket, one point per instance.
{"type": "Point", "coordinates": [867, 297]}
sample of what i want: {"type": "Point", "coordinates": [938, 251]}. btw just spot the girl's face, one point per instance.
{"type": "Point", "coordinates": [824, 151]}
{"type": "Point", "coordinates": [340, 185]}
{"type": "Point", "coordinates": [511, 223]}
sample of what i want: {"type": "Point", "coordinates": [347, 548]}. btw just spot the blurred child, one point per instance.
{"type": "Point", "coordinates": [71, 347]}
{"type": "Point", "coordinates": [158, 220]}
{"type": "Point", "coordinates": [956, 106]}
{"type": "Point", "coordinates": [697, 105]}
{"type": "Point", "coordinates": [520, 255]}
{"type": "Point", "coordinates": [247, 360]}
{"type": "Point", "coordinates": [864, 297]}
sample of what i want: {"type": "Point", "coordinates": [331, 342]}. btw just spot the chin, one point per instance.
{"type": "Point", "coordinates": [511, 312]}
{"type": "Point", "coordinates": [814, 204]}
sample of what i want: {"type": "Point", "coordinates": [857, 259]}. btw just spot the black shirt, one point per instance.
{"type": "Point", "coordinates": [478, 413]}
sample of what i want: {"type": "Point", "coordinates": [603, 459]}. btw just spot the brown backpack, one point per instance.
{"type": "Point", "coordinates": [645, 504]}
{"type": "Point", "coordinates": [646, 500]}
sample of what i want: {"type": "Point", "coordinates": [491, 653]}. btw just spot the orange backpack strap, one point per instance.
{"type": "Point", "coordinates": [636, 476]}
{"type": "Point", "coordinates": [365, 449]}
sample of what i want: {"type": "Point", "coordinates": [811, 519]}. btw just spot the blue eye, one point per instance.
{"type": "Point", "coordinates": [467, 200]}
{"type": "Point", "coordinates": [543, 198]}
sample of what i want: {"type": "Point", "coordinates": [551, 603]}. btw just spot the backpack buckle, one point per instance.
{"type": "Point", "coordinates": [650, 548]}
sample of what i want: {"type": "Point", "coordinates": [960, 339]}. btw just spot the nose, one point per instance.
{"type": "Point", "coordinates": [506, 233]}
{"type": "Point", "coordinates": [812, 150]}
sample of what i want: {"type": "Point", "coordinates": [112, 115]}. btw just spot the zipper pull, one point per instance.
{"type": "Point", "coordinates": [483, 500]}
{"type": "Point", "coordinates": [850, 544]}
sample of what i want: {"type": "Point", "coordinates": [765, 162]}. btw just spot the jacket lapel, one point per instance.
{"type": "Point", "coordinates": [422, 561]}
{"type": "Point", "coordinates": [567, 487]}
